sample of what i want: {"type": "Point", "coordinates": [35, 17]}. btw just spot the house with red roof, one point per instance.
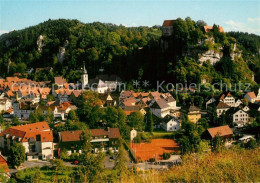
{"type": "Point", "coordinates": [167, 28]}
{"type": "Point", "coordinates": [72, 140]}
{"type": "Point", "coordinates": [37, 139]}
{"type": "Point", "coordinates": [4, 169]}
{"type": "Point", "coordinates": [210, 28]}
{"type": "Point", "coordinates": [222, 131]}
{"type": "Point", "coordinates": [251, 97]}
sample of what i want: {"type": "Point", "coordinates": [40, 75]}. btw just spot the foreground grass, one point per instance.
{"type": "Point", "coordinates": [232, 165]}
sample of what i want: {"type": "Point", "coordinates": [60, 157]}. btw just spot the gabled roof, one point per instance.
{"type": "Point", "coordinates": [251, 95]}
{"type": "Point", "coordinates": [159, 103]}
{"type": "Point", "coordinates": [222, 105]}
{"type": "Point", "coordinates": [168, 117]}
{"type": "Point", "coordinates": [30, 131]}
{"type": "Point", "coordinates": [193, 108]}
{"type": "Point", "coordinates": [220, 131]}
{"type": "Point", "coordinates": [210, 28]}
{"type": "Point", "coordinates": [168, 23]}
{"type": "Point", "coordinates": [59, 80]}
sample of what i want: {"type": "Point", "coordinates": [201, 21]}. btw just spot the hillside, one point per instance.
{"type": "Point", "coordinates": [233, 165]}
{"type": "Point", "coordinates": [131, 52]}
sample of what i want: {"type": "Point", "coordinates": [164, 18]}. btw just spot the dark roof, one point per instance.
{"type": "Point", "coordinates": [193, 108]}
{"type": "Point", "coordinates": [167, 118]}
{"type": "Point", "coordinates": [160, 103]}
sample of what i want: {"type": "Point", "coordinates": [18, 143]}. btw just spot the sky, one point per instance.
{"type": "Point", "coordinates": [233, 15]}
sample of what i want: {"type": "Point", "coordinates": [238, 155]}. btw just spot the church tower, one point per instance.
{"type": "Point", "coordinates": [84, 78]}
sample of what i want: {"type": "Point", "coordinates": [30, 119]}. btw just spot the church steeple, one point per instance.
{"type": "Point", "coordinates": [84, 69]}
{"type": "Point", "coordinates": [84, 77]}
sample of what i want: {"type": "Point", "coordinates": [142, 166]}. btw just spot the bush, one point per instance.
{"type": "Point", "coordinates": [166, 155]}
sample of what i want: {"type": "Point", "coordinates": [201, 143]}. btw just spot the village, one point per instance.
{"type": "Point", "coordinates": [108, 119]}
{"type": "Point", "coordinates": [21, 97]}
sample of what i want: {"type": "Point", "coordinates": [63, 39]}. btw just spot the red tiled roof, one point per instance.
{"type": "Point", "coordinates": [73, 136]}
{"type": "Point", "coordinates": [3, 164]}
{"type": "Point", "coordinates": [251, 95]}
{"type": "Point", "coordinates": [168, 23]}
{"type": "Point", "coordinates": [209, 28]}
{"type": "Point", "coordinates": [60, 80]}
{"type": "Point", "coordinates": [25, 132]}
{"type": "Point", "coordinates": [221, 131]}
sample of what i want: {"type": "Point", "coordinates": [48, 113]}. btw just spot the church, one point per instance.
{"type": "Point", "coordinates": [101, 83]}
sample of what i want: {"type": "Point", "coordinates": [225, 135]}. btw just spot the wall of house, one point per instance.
{"type": "Point", "coordinates": [220, 111]}
{"type": "Point", "coordinates": [47, 150]}
{"type": "Point", "coordinates": [194, 118]}
{"type": "Point", "coordinates": [241, 117]}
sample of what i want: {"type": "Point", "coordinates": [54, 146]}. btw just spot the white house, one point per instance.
{"type": "Point", "coordinates": [5, 104]}
{"type": "Point", "coordinates": [238, 103]}
{"type": "Point", "coordinates": [210, 101]}
{"type": "Point", "coordinates": [170, 123]}
{"type": "Point", "coordinates": [222, 107]}
{"type": "Point", "coordinates": [246, 108]}
{"type": "Point", "coordinates": [37, 138]}
{"type": "Point", "coordinates": [250, 96]}
{"type": "Point", "coordinates": [159, 108]}
{"type": "Point", "coordinates": [240, 118]}
{"type": "Point", "coordinates": [228, 99]}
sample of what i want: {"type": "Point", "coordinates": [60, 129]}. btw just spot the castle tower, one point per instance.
{"type": "Point", "coordinates": [84, 78]}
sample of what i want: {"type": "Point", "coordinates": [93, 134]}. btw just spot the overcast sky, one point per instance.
{"type": "Point", "coordinates": [236, 15]}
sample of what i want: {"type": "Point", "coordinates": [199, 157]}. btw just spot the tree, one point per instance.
{"type": "Point", "coordinates": [251, 144]}
{"type": "Point", "coordinates": [92, 164]}
{"type": "Point", "coordinates": [217, 143]}
{"type": "Point", "coordinates": [149, 121]}
{"type": "Point", "coordinates": [1, 119]}
{"type": "Point", "coordinates": [73, 115]}
{"type": "Point", "coordinates": [49, 116]}
{"type": "Point", "coordinates": [16, 155]}
{"type": "Point", "coordinates": [136, 120]}
{"type": "Point", "coordinates": [111, 116]}
{"type": "Point", "coordinates": [36, 116]}
{"type": "Point", "coordinates": [15, 121]}
{"type": "Point", "coordinates": [121, 161]}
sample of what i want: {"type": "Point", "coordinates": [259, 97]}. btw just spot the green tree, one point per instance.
{"type": "Point", "coordinates": [121, 161]}
{"type": "Point", "coordinates": [49, 116]}
{"type": "Point", "coordinates": [73, 115]}
{"type": "Point", "coordinates": [217, 143]}
{"type": "Point", "coordinates": [92, 163]}
{"type": "Point", "coordinates": [16, 155]}
{"type": "Point", "coordinates": [149, 121]}
{"type": "Point", "coordinates": [136, 120]}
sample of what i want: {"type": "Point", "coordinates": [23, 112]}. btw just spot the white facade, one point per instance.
{"type": "Point", "coordinates": [246, 108]}
{"type": "Point", "coordinates": [220, 111]}
{"type": "Point", "coordinates": [229, 100]}
{"type": "Point", "coordinates": [238, 103]}
{"type": "Point", "coordinates": [210, 101]}
{"type": "Point", "coordinates": [172, 125]}
{"type": "Point", "coordinates": [5, 104]}
{"type": "Point", "coordinates": [240, 118]}
{"type": "Point", "coordinates": [84, 78]}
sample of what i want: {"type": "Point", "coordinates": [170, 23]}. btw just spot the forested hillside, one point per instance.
{"type": "Point", "coordinates": [130, 52]}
